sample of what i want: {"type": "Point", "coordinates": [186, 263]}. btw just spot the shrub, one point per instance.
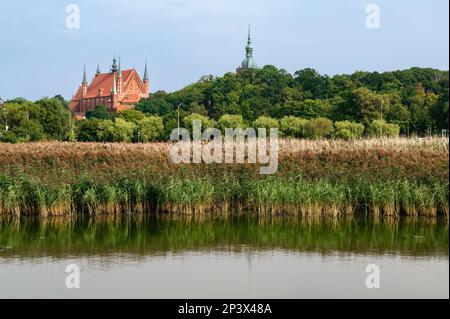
{"type": "Point", "coordinates": [95, 130]}
{"type": "Point", "coordinates": [292, 126]}
{"type": "Point", "coordinates": [8, 137]}
{"type": "Point", "coordinates": [318, 128]}
{"type": "Point", "coordinates": [348, 130]}
{"type": "Point", "coordinates": [230, 121]}
{"type": "Point", "coordinates": [379, 128]}
{"type": "Point", "coordinates": [265, 122]}
{"type": "Point", "coordinates": [205, 121]}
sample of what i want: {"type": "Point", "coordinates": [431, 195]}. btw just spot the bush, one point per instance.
{"type": "Point", "coordinates": [95, 130]}
{"type": "Point", "coordinates": [318, 128]}
{"type": "Point", "coordinates": [205, 121]}
{"type": "Point", "coordinates": [231, 121]}
{"type": "Point", "coordinates": [292, 126]}
{"type": "Point", "coordinates": [8, 137]}
{"type": "Point", "coordinates": [379, 128]}
{"type": "Point", "coordinates": [348, 130]}
{"type": "Point", "coordinates": [265, 122]}
{"type": "Point", "coordinates": [29, 131]}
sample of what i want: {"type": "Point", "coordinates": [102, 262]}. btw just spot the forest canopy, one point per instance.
{"type": "Point", "coordinates": [415, 99]}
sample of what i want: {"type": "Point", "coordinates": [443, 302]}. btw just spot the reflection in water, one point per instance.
{"type": "Point", "coordinates": [146, 235]}
{"type": "Point", "coordinates": [245, 256]}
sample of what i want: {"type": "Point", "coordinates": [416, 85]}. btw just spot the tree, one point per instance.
{"type": "Point", "coordinates": [398, 113]}
{"type": "Point", "coordinates": [150, 129]}
{"type": "Point", "coordinates": [156, 104]}
{"type": "Point", "coordinates": [55, 119]}
{"type": "Point", "coordinates": [131, 115]}
{"type": "Point", "coordinates": [293, 126]}
{"type": "Point", "coordinates": [369, 105]}
{"type": "Point", "coordinates": [45, 119]}
{"type": "Point", "coordinates": [95, 130]}
{"type": "Point", "coordinates": [61, 99]}
{"type": "Point", "coordinates": [310, 109]}
{"type": "Point", "coordinates": [99, 112]}
{"type": "Point", "coordinates": [379, 128]}
{"type": "Point", "coordinates": [29, 131]}
{"type": "Point", "coordinates": [194, 107]}
{"type": "Point", "coordinates": [123, 131]}
{"type": "Point", "coordinates": [318, 128]}
{"type": "Point", "coordinates": [348, 130]}
{"type": "Point", "coordinates": [316, 86]}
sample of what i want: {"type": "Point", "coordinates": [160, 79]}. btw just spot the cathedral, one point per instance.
{"type": "Point", "coordinates": [117, 90]}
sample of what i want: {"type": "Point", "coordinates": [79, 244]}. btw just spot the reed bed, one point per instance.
{"type": "Point", "coordinates": [381, 177]}
{"type": "Point", "coordinates": [24, 196]}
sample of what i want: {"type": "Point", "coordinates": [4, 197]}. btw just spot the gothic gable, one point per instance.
{"type": "Point", "coordinates": [134, 84]}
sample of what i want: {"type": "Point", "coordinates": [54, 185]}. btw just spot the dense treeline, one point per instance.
{"type": "Point", "coordinates": [305, 104]}
{"type": "Point", "coordinates": [415, 99]}
{"type": "Point", "coordinates": [45, 119]}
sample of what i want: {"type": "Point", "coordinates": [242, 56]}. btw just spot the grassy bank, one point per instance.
{"type": "Point", "coordinates": [380, 177]}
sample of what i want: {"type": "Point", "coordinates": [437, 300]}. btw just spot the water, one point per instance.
{"type": "Point", "coordinates": [223, 257]}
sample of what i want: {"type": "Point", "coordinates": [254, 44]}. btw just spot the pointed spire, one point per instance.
{"type": "Point", "coordinates": [98, 69]}
{"type": "Point", "coordinates": [114, 87]}
{"type": "Point", "coordinates": [145, 71]}
{"type": "Point", "coordinates": [114, 64]}
{"type": "Point", "coordinates": [119, 70]}
{"type": "Point", "coordinates": [248, 48]}
{"type": "Point", "coordinates": [84, 75]}
{"type": "Point", "coordinates": [248, 62]}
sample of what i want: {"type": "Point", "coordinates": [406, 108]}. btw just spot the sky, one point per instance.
{"type": "Point", "coordinates": [42, 53]}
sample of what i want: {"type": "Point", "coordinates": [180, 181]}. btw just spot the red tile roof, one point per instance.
{"type": "Point", "coordinates": [102, 82]}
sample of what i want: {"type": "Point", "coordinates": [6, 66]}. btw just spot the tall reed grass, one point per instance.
{"type": "Point", "coordinates": [269, 195]}
{"type": "Point", "coordinates": [385, 177]}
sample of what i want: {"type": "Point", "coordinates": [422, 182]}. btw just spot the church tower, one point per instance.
{"type": "Point", "coordinates": [248, 62]}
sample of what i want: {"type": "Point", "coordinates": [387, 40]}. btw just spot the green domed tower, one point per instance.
{"type": "Point", "coordinates": [248, 62]}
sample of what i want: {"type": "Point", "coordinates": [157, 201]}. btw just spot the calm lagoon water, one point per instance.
{"type": "Point", "coordinates": [223, 257]}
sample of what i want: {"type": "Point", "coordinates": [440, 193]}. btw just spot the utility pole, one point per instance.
{"type": "Point", "coordinates": [178, 120]}
{"type": "Point", "coordinates": [381, 115]}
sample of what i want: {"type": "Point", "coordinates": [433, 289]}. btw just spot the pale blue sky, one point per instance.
{"type": "Point", "coordinates": [185, 39]}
